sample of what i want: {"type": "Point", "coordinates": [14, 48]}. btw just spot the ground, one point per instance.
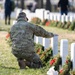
{"type": "Point", "coordinates": [8, 63]}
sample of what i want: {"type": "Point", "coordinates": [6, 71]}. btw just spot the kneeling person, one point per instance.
{"type": "Point", "coordinates": [21, 34]}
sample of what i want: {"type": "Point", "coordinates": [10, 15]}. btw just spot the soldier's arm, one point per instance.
{"type": "Point", "coordinates": [11, 32]}
{"type": "Point", "coordinates": [39, 31]}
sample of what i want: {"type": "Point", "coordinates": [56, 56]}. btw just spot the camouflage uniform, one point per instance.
{"type": "Point", "coordinates": [21, 35]}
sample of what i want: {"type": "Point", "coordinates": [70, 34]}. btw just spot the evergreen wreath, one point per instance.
{"type": "Point", "coordinates": [55, 61]}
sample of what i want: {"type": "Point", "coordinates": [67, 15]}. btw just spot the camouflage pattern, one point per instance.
{"type": "Point", "coordinates": [21, 34]}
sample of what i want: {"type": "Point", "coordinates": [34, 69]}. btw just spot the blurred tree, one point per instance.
{"type": "Point", "coordinates": [39, 3]}
{"type": "Point", "coordinates": [17, 5]}
{"type": "Point", "coordinates": [48, 5]}
{"type": "Point", "coordinates": [22, 4]}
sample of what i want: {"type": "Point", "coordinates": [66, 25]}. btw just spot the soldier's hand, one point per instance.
{"type": "Point", "coordinates": [55, 35]}
{"type": "Point", "coordinates": [52, 35]}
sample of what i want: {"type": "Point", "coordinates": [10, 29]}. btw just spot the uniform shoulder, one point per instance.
{"type": "Point", "coordinates": [13, 26]}
{"type": "Point", "coordinates": [31, 25]}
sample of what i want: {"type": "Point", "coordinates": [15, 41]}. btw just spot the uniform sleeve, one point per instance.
{"type": "Point", "coordinates": [12, 29]}
{"type": "Point", "coordinates": [11, 33]}
{"type": "Point", "coordinates": [39, 31]}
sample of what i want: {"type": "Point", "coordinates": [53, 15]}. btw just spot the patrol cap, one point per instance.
{"type": "Point", "coordinates": [22, 15]}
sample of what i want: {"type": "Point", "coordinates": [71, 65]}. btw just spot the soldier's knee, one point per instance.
{"type": "Point", "coordinates": [37, 64]}
{"type": "Point", "coordinates": [21, 63]}
{"type": "Point", "coordinates": [34, 64]}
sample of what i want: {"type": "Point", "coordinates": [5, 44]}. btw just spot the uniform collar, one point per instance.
{"type": "Point", "coordinates": [21, 19]}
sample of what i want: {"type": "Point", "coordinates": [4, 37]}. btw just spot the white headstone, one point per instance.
{"type": "Point", "coordinates": [54, 45]}
{"type": "Point", "coordinates": [55, 17]}
{"type": "Point", "coordinates": [66, 18]}
{"type": "Point", "coordinates": [63, 18]}
{"type": "Point", "coordinates": [73, 54]}
{"type": "Point", "coordinates": [46, 42]}
{"type": "Point", "coordinates": [71, 18]}
{"type": "Point", "coordinates": [18, 10]}
{"type": "Point", "coordinates": [40, 13]}
{"type": "Point", "coordinates": [46, 14]}
{"type": "Point", "coordinates": [64, 50]}
{"type": "Point", "coordinates": [52, 71]}
{"type": "Point", "coordinates": [50, 16]}
{"type": "Point", "coordinates": [38, 40]}
{"type": "Point", "coordinates": [59, 18]}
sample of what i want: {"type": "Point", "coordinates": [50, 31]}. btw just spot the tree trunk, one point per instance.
{"type": "Point", "coordinates": [17, 4]}
{"type": "Point", "coordinates": [22, 4]}
{"type": "Point", "coordinates": [41, 3]}
{"type": "Point", "coordinates": [48, 5]}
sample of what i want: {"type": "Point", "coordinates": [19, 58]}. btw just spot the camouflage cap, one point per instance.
{"type": "Point", "coordinates": [22, 15]}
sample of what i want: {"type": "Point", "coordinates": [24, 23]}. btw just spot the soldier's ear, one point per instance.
{"type": "Point", "coordinates": [27, 18]}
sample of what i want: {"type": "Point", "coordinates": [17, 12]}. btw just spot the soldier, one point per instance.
{"type": "Point", "coordinates": [21, 34]}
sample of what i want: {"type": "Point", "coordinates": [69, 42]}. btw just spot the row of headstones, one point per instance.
{"type": "Point", "coordinates": [45, 14]}
{"type": "Point", "coordinates": [53, 42]}
{"type": "Point", "coordinates": [42, 14]}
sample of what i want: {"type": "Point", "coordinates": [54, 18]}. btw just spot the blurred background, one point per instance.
{"type": "Point", "coordinates": [50, 5]}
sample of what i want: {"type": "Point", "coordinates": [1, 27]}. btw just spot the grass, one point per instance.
{"type": "Point", "coordinates": [4, 27]}
{"type": "Point", "coordinates": [8, 63]}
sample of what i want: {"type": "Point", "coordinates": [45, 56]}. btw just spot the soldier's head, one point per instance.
{"type": "Point", "coordinates": [22, 15]}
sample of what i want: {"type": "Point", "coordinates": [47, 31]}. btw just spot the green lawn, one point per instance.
{"type": "Point", "coordinates": [8, 63]}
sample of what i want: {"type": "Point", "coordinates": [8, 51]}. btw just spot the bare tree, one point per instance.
{"type": "Point", "coordinates": [17, 3]}
{"type": "Point", "coordinates": [48, 5]}
{"type": "Point", "coordinates": [39, 3]}
{"type": "Point", "coordinates": [22, 4]}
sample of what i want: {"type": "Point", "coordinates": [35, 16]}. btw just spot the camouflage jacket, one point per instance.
{"type": "Point", "coordinates": [21, 34]}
